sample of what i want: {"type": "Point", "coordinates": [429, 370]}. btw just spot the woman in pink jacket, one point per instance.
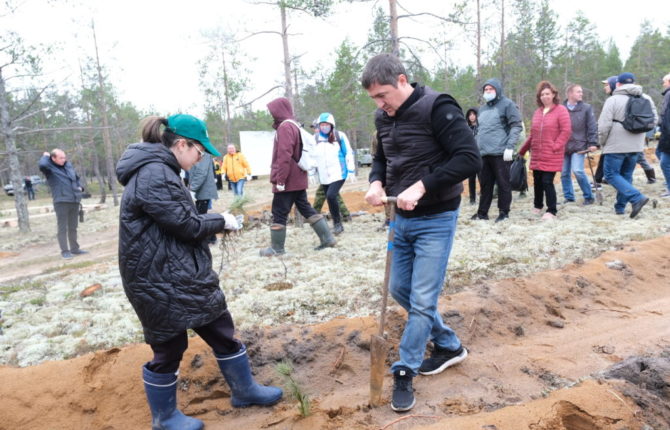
{"type": "Point", "coordinates": [549, 132]}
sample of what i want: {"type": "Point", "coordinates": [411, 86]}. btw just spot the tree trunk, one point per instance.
{"type": "Point", "coordinates": [395, 43]}
{"type": "Point", "coordinates": [229, 125]}
{"type": "Point", "coordinates": [107, 140]}
{"type": "Point", "coordinates": [502, 41]}
{"type": "Point", "coordinates": [288, 86]}
{"type": "Point", "coordinates": [478, 78]}
{"type": "Point", "coordinates": [14, 167]}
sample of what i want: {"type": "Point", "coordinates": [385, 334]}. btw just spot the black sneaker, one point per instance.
{"type": "Point", "coordinates": [403, 393]}
{"type": "Point", "coordinates": [66, 255]}
{"type": "Point", "coordinates": [637, 207]}
{"type": "Point", "coordinates": [79, 251]}
{"type": "Point", "coordinates": [502, 217]}
{"type": "Point", "coordinates": [478, 216]}
{"type": "Point", "coordinates": [440, 359]}
{"type": "Point", "coordinates": [588, 202]}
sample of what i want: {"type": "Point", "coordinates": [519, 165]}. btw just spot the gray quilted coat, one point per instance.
{"type": "Point", "coordinates": [164, 258]}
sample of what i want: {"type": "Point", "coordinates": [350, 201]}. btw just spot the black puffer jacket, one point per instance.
{"type": "Point", "coordinates": [164, 258]}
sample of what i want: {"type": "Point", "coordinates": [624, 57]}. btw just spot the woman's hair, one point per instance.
{"type": "Point", "coordinates": [467, 115]}
{"type": "Point", "coordinates": [152, 133]}
{"type": "Point", "coordinates": [542, 86]}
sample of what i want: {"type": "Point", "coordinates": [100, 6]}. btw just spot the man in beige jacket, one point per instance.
{"type": "Point", "coordinates": [621, 148]}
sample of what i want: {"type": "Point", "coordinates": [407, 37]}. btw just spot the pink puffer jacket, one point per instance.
{"type": "Point", "coordinates": [548, 135]}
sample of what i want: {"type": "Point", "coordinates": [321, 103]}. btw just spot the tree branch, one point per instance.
{"type": "Point", "coordinates": [256, 34]}
{"type": "Point", "coordinates": [32, 102]}
{"type": "Point", "coordinates": [39, 130]}
{"type": "Point", "coordinates": [262, 95]}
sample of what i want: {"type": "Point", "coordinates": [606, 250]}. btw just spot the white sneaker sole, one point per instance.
{"type": "Point", "coordinates": [448, 363]}
{"type": "Point", "coordinates": [404, 409]}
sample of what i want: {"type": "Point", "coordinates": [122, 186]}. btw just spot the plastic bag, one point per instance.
{"type": "Point", "coordinates": [517, 172]}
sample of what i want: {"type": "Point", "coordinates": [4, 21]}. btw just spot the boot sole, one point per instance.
{"type": "Point", "coordinates": [447, 364]}
{"type": "Point", "coordinates": [405, 408]}
{"type": "Point", "coordinates": [237, 404]}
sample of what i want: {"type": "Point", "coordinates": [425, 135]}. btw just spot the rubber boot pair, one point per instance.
{"type": "Point", "coordinates": [277, 240]}
{"type": "Point", "coordinates": [161, 390]}
{"type": "Point", "coordinates": [320, 226]}
{"type": "Point", "coordinates": [244, 390]}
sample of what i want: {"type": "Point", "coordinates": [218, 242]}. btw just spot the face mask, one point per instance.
{"type": "Point", "coordinates": [489, 96]}
{"type": "Point", "coordinates": [325, 129]}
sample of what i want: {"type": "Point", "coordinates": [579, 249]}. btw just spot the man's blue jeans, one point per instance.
{"type": "Point", "coordinates": [665, 167]}
{"type": "Point", "coordinates": [238, 187]}
{"type": "Point", "coordinates": [574, 163]}
{"type": "Point", "coordinates": [421, 250]}
{"type": "Point", "coordinates": [618, 170]}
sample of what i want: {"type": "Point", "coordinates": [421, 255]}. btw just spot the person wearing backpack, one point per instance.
{"type": "Point", "coordinates": [622, 142]}
{"type": "Point", "coordinates": [334, 161]}
{"type": "Point", "coordinates": [289, 181]}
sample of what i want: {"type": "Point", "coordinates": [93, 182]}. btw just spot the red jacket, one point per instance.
{"type": "Point", "coordinates": [548, 135]}
{"type": "Point", "coordinates": [286, 150]}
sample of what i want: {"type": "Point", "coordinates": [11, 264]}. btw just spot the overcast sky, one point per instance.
{"type": "Point", "coordinates": [151, 47]}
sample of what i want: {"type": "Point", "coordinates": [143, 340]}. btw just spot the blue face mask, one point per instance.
{"type": "Point", "coordinates": [489, 96]}
{"type": "Point", "coordinates": [325, 129]}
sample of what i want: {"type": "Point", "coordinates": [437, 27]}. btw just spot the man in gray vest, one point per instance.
{"type": "Point", "coordinates": [425, 150]}
{"type": "Point", "coordinates": [66, 193]}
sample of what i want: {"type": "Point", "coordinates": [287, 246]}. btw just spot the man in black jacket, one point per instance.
{"type": "Point", "coordinates": [425, 150]}
{"type": "Point", "coordinates": [66, 193]}
{"type": "Point", "coordinates": [584, 138]}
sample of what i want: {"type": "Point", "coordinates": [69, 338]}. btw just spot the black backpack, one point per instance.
{"type": "Point", "coordinates": [639, 115]}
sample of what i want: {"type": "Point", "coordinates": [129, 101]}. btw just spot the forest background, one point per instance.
{"type": "Point", "coordinates": [518, 41]}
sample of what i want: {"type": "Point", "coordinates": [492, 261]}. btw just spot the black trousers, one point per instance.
{"type": "Point", "coordinates": [599, 170]}
{"type": "Point", "coordinates": [543, 185]}
{"type": "Point", "coordinates": [283, 202]}
{"type": "Point", "coordinates": [332, 191]}
{"type": "Point", "coordinates": [494, 170]}
{"type": "Point", "coordinates": [219, 334]}
{"type": "Point", "coordinates": [472, 187]}
{"type": "Point", "coordinates": [67, 218]}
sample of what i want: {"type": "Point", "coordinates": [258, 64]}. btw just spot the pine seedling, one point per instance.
{"type": "Point", "coordinates": [285, 370]}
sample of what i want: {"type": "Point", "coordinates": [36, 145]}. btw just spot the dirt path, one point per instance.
{"type": "Point", "coordinates": [539, 350]}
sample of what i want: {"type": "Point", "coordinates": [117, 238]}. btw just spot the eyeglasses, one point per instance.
{"type": "Point", "coordinates": [200, 153]}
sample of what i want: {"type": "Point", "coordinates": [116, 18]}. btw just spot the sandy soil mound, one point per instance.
{"type": "Point", "coordinates": [583, 347]}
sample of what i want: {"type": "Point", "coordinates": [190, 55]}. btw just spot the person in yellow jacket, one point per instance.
{"type": "Point", "coordinates": [237, 170]}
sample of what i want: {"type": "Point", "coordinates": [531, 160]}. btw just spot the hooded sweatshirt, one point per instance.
{"type": "Point", "coordinates": [286, 149]}
{"type": "Point", "coordinates": [499, 123]}
{"type": "Point", "coordinates": [613, 138]}
{"type": "Point", "coordinates": [164, 258]}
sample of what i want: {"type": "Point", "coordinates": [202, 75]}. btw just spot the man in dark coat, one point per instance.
{"type": "Point", "coordinates": [289, 182]}
{"type": "Point", "coordinates": [66, 193]}
{"type": "Point", "coordinates": [584, 138]}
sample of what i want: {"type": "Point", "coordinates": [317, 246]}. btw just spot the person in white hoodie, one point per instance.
{"type": "Point", "coordinates": [334, 162]}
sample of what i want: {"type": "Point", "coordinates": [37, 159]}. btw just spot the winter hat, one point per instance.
{"type": "Point", "coordinates": [611, 81]}
{"type": "Point", "coordinates": [327, 117]}
{"type": "Point", "coordinates": [626, 78]}
{"type": "Point", "coordinates": [192, 128]}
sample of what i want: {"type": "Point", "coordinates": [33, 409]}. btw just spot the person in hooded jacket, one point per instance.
{"type": "Point", "coordinates": [621, 147]}
{"type": "Point", "coordinates": [166, 268]}
{"type": "Point", "coordinates": [663, 148]}
{"type": "Point", "coordinates": [334, 162]}
{"type": "Point", "coordinates": [289, 181]}
{"type": "Point", "coordinates": [550, 130]}
{"type": "Point", "coordinates": [498, 132]}
{"type": "Point", "coordinates": [584, 138]}
{"type": "Point", "coordinates": [471, 118]}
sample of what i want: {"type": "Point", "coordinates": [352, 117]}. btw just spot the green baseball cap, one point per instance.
{"type": "Point", "coordinates": [192, 128]}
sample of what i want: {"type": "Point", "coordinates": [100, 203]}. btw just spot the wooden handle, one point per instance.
{"type": "Point", "coordinates": [389, 199]}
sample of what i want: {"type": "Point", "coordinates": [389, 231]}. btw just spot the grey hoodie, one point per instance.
{"type": "Point", "coordinates": [499, 123]}
{"type": "Point", "coordinates": [613, 138]}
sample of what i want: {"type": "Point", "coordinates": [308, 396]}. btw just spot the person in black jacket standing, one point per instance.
{"type": "Point", "coordinates": [66, 193]}
{"type": "Point", "coordinates": [166, 267]}
{"type": "Point", "coordinates": [425, 151]}
{"type": "Point", "coordinates": [584, 138]}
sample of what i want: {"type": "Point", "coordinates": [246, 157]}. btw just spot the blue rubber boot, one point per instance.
{"type": "Point", "coordinates": [244, 390]}
{"type": "Point", "coordinates": [161, 389]}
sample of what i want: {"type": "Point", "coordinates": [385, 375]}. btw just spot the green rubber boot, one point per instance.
{"type": "Point", "coordinates": [320, 226]}
{"type": "Point", "coordinates": [277, 239]}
